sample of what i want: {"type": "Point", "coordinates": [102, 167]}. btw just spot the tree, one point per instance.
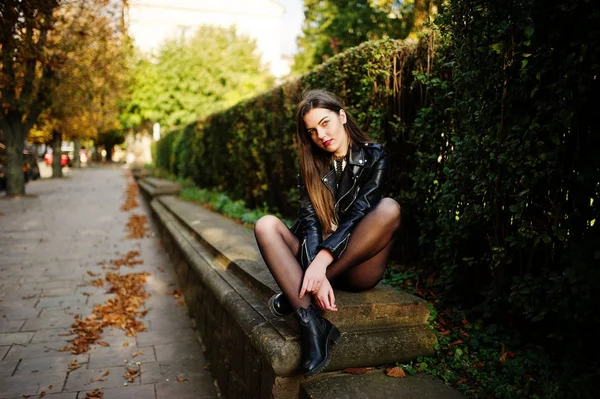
{"type": "Point", "coordinates": [331, 26]}
{"type": "Point", "coordinates": [44, 44]}
{"type": "Point", "coordinates": [27, 69]}
{"type": "Point", "coordinates": [190, 77]}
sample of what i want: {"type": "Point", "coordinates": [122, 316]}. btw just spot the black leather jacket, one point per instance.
{"type": "Point", "coordinates": [360, 188]}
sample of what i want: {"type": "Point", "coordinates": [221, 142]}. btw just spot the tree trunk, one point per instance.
{"type": "Point", "coordinates": [14, 132]}
{"type": "Point", "coordinates": [76, 150]}
{"type": "Point", "coordinates": [56, 154]}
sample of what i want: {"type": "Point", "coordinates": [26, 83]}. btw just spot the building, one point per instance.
{"type": "Point", "coordinates": [150, 22]}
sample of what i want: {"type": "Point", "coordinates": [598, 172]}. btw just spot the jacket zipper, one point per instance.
{"type": "Point", "coordinates": [342, 197]}
{"type": "Point", "coordinates": [352, 202]}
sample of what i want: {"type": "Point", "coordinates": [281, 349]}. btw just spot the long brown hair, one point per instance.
{"type": "Point", "coordinates": [315, 162]}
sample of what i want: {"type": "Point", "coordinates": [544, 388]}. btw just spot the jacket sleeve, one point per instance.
{"type": "Point", "coordinates": [368, 196]}
{"type": "Point", "coordinates": [309, 227]}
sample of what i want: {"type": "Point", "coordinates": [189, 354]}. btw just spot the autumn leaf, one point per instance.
{"type": "Point", "coordinates": [179, 379]}
{"type": "Point", "coordinates": [95, 394]}
{"type": "Point", "coordinates": [136, 354]}
{"type": "Point", "coordinates": [102, 343]}
{"type": "Point", "coordinates": [42, 394]}
{"type": "Point", "coordinates": [457, 342]}
{"type": "Point", "coordinates": [107, 372]}
{"type": "Point", "coordinates": [396, 372]}
{"type": "Point", "coordinates": [356, 370]}
{"type": "Point", "coordinates": [92, 273]}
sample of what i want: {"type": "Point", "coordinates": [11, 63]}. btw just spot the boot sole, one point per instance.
{"type": "Point", "coordinates": [275, 312]}
{"type": "Point", "coordinates": [332, 339]}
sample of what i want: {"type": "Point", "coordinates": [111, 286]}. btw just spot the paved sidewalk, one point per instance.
{"type": "Point", "coordinates": [54, 244]}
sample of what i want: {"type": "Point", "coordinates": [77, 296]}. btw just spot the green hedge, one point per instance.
{"type": "Point", "coordinates": [249, 150]}
{"type": "Point", "coordinates": [493, 142]}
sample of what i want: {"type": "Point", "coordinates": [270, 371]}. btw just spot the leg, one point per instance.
{"type": "Point", "coordinates": [362, 264]}
{"type": "Point", "coordinates": [279, 247]}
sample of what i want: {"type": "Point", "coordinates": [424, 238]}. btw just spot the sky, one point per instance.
{"type": "Point", "coordinates": [292, 24]}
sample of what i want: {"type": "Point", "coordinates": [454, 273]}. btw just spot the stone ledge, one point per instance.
{"type": "Point", "coordinates": [376, 385]}
{"type": "Point", "coordinates": [226, 286]}
{"type": "Point", "coordinates": [236, 248]}
{"type": "Point", "coordinates": [153, 187]}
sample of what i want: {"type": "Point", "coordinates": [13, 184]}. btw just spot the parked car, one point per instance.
{"type": "Point", "coordinates": [31, 171]}
{"type": "Point", "coordinates": [64, 158]}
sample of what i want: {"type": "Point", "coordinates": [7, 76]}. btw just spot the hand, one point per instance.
{"type": "Point", "coordinates": [325, 298]}
{"type": "Point", "coordinates": [313, 278]}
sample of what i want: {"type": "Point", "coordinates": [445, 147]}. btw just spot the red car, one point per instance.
{"type": "Point", "coordinates": [49, 157]}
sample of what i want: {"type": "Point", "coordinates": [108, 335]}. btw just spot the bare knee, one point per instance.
{"type": "Point", "coordinates": [265, 225]}
{"type": "Point", "coordinates": [390, 211]}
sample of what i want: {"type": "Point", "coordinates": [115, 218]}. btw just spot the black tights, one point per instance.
{"type": "Point", "coordinates": [359, 268]}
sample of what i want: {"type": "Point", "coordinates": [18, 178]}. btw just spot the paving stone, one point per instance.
{"type": "Point", "coordinates": [35, 350]}
{"type": "Point", "coordinates": [156, 372]}
{"type": "Point", "coordinates": [178, 351]}
{"type": "Point", "coordinates": [31, 384]}
{"type": "Point", "coordinates": [52, 334]}
{"type": "Point", "coordinates": [21, 313]}
{"type": "Point", "coordinates": [61, 301]}
{"type": "Point", "coordinates": [117, 356]}
{"type": "Point", "coordinates": [127, 392]}
{"type": "Point", "coordinates": [81, 310]}
{"type": "Point", "coordinates": [167, 322]}
{"type": "Point", "coordinates": [80, 379]}
{"type": "Point", "coordinates": [45, 259]}
{"type": "Point", "coordinates": [48, 322]}
{"type": "Point", "coordinates": [7, 326]}
{"type": "Point", "coordinates": [3, 351]}
{"type": "Point", "coordinates": [7, 368]}
{"type": "Point", "coordinates": [197, 388]}
{"type": "Point", "coordinates": [149, 338]}
{"type": "Point", "coordinates": [52, 364]}
{"type": "Point", "coordinates": [50, 292]}
{"type": "Point", "coordinates": [15, 338]}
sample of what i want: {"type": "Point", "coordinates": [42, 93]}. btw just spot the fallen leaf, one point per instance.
{"type": "Point", "coordinates": [457, 342]}
{"type": "Point", "coordinates": [42, 394]}
{"type": "Point", "coordinates": [102, 343]}
{"type": "Point", "coordinates": [26, 395]}
{"type": "Point", "coordinates": [179, 379]}
{"type": "Point", "coordinates": [136, 354]}
{"type": "Point", "coordinates": [49, 387]}
{"type": "Point", "coordinates": [396, 372]}
{"type": "Point", "coordinates": [356, 370]}
{"type": "Point", "coordinates": [107, 372]}
{"type": "Point", "coordinates": [125, 343]}
{"type": "Point", "coordinates": [91, 273]}
{"type": "Point", "coordinates": [97, 379]}
{"type": "Point", "coordinates": [95, 394]}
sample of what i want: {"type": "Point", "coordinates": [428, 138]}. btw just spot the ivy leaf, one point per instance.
{"type": "Point", "coordinates": [529, 31]}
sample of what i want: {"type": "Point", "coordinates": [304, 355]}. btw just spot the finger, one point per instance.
{"type": "Point", "coordinates": [332, 299]}
{"type": "Point", "coordinates": [302, 289]}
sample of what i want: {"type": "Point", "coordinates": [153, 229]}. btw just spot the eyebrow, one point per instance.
{"type": "Point", "coordinates": [311, 128]}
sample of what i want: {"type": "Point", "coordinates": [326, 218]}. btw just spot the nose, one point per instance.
{"type": "Point", "coordinates": [320, 132]}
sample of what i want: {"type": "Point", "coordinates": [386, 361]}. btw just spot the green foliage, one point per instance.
{"type": "Point", "coordinates": [194, 76]}
{"type": "Point", "coordinates": [249, 150]}
{"type": "Point", "coordinates": [331, 27]}
{"type": "Point", "coordinates": [220, 202]}
{"type": "Point", "coordinates": [493, 137]}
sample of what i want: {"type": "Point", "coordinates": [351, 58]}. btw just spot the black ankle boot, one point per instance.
{"type": "Point", "coordinates": [318, 336]}
{"type": "Point", "coordinates": [280, 306]}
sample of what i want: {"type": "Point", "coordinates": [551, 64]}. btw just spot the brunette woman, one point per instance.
{"type": "Point", "coordinates": [344, 231]}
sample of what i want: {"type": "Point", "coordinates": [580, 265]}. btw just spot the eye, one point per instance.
{"type": "Point", "coordinates": [324, 123]}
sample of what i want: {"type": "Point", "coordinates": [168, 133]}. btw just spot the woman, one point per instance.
{"type": "Point", "coordinates": [344, 231]}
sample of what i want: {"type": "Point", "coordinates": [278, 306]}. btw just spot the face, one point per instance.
{"type": "Point", "coordinates": [326, 129]}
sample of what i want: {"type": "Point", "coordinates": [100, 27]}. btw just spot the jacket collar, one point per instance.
{"type": "Point", "coordinates": [356, 158]}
